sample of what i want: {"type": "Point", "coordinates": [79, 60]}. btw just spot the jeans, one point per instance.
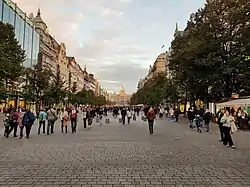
{"type": "Point", "coordinates": [129, 118]}
{"type": "Point", "coordinates": [62, 125]}
{"type": "Point", "coordinates": [41, 123]}
{"type": "Point", "coordinates": [191, 124]}
{"type": "Point", "coordinates": [85, 122]}
{"type": "Point", "coordinates": [73, 124]}
{"type": "Point", "coordinates": [13, 126]}
{"type": "Point", "coordinates": [221, 132]}
{"type": "Point", "coordinates": [123, 119]}
{"type": "Point", "coordinates": [227, 136]}
{"type": "Point", "coordinates": [50, 126]}
{"type": "Point", "coordinates": [27, 128]}
{"type": "Point", "coordinates": [207, 125]}
{"type": "Point", "coordinates": [151, 126]}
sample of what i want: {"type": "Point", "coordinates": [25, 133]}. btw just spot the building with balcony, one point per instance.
{"type": "Point", "coordinates": [49, 48]}
{"type": "Point", "coordinates": [24, 28]}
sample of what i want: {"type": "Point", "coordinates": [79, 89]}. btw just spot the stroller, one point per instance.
{"type": "Point", "coordinates": [198, 122]}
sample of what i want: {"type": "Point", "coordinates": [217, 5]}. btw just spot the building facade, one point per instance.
{"type": "Point", "coordinates": [25, 31]}
{"type": "Point", "coordinates": [49, 48]}
{"type": "Point", "coordinates": [63, 63]}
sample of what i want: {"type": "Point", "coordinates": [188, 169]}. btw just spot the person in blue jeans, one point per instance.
{"type": "Point", "coordinates": [42, 119]}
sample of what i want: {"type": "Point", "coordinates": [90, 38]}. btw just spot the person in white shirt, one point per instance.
{"type": "Point", "coordinates": [129, 115]}
{"type": "Point", "coordinates": [84, 116]}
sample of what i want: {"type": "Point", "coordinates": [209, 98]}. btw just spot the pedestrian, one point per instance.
{"type": "Point", "coordinates": [21, 114]}
{"type": "Point", "coordinates": [13, 122]}
{"type": "Point", "coordinates": [64, 117]}
{"type": "Point", "coordinates": [176, 114]}
{"type": "Point", "coordinates": [129, 116]}
{"type": "Point", "coordinates": [191, 117]}
{"type": "Point", "coordinates": [42, 120]}
{"type": "Point", "coordinates": [27, 121]}
{"type": "Point", "coordinates": [51, 118]}
{"type": "Point", "coordinates": [73, 119]}
{"type": "Point", "coordinates": [207, 119]}
{"type": "Point", "coordinates": [228, 124]}
{"type": "Point", "coordinates": [123, 114]}
{"type": "Point", "coordinates": [219, 116]}
{"type": "Point", "coordinates": [84, 117]}
{"type": "Point", "coordinates": [151, 117]}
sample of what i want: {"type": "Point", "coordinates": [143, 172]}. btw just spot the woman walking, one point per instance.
{"type": "Point", "coordinates": [151, 118]}
{"type": "Point", "coordinates": [64, 117]}
{"type": "Point", "coordinates": [228, 124]}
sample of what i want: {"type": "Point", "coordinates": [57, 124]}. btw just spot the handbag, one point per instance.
{"type": "Point", "coordinates": [233, 127]}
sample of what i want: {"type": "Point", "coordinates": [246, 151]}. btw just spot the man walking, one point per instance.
{"type": "Point", "coordinates": [51, 117]}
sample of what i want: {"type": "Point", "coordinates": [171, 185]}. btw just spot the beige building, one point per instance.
{"type": "Point", "coordinates": [49, 48]}
{"type": "Point", "coordinates": [77, 75]}
{"type": "Point", "coordinates": [63, 63]}
{"type": "Point", "coordinates": [120, 98]}
{"type": "Point", "coordinates": [160, 66]}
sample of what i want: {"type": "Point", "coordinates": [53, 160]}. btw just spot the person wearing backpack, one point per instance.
{"type": "Point", "coordinates": [42, 119]}
{"type": "Point", "coordinates": [51, 117]}
{"type": "Point", "coordinates": [27, 121]}
{"type": "Point", "coordinates": [13, 121]}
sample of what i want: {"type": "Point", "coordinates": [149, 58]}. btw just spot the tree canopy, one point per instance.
{"type": "Point", "coordinates": [11, 55]}
{"type": "Point", "coordinates": [209, 60]}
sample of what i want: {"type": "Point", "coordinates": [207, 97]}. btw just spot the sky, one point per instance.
{"type": "Point", "coordinates": [116, 39]}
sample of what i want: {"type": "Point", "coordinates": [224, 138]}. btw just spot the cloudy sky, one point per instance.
{"type": "Point", "coordinates": [116, 39]}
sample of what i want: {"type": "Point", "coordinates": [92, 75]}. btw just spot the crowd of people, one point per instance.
{"type": "Point", "coordinates": [227, 120]}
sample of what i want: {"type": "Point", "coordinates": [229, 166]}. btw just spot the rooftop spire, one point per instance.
{"type": "Point", "coordinates": [176, 28]}
{"type": "Point", "coordinates": [39, 12]}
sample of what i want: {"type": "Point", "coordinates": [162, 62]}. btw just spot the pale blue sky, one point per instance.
{"type": "Point", "coordinates": [116, 39]}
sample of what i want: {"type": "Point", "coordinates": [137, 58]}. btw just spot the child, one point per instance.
{"type": "Point", "coordinates": [6, 122]}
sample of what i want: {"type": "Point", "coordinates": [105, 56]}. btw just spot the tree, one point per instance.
{"type": "Point", "coordinates": [38, 78]}
{"type": "Point", "coordinates": [11, 55]}
{"type": "Point", "coordinates": [209, 54]}
{"type": "Point", "coordinates": [155, 91]}
{"type": "Point", "coordinates": [57, 90]}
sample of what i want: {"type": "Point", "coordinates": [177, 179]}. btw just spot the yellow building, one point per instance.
{"type": "Point", "coordinates": [121, 98]}
{"type": "Point", "coordinates": [63, 63]}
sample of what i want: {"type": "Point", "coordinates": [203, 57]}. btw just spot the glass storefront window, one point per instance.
{"type": "Point", "coordinates": [1, 9]}
{"type": "Point", "coordinates": [6, 13]}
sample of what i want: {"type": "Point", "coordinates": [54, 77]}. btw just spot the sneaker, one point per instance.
{"type": "Point", "coordinates": [233, 146]}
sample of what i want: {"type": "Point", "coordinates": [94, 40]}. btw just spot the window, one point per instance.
{"type": "Point", "coordinates": [28, 45]}
{"type": "Point", "coordinates": [35, 47]}
{"type": "Point", "coordinates": [6, 13]}
{"type": "Point", "coordinates": [12, 17]}
{"type": "Point", "coordinates": [17, 28]}
{"type": "Point", "coordinates": [21, 31]}
{"type": "Point", "coordinates": [1, 9]}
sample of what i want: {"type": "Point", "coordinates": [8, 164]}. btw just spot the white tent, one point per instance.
{"type": "Point", "coordinates": [235, 103]}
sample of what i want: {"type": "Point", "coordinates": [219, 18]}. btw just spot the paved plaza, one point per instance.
{"type": "Point", "coordinates": [125, 155]}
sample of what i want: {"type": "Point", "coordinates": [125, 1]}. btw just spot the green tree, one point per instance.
{"type": "Point", "coordinates": [38, 79]}
{"type": "Point", "coordinates": [57, 90]}
{"type": "Point", "coordinates": [11, 55]}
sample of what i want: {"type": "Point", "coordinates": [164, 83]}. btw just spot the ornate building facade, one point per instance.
{"type": "Point", "coordinates": [49, 48]}
{"type": "Point", "coordinates": [63, 63]}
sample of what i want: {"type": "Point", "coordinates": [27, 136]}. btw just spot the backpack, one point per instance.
{"type": "Point", "coordinates": [11, 117]}
{"type": "Point", "coordinates": [29, 118]}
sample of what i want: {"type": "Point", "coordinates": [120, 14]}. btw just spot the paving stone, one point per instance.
{"type": "Point", "coordinates": [125, 155]}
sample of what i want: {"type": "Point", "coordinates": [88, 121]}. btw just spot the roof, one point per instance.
{"type": "Point", "coordinates": [235, 103]}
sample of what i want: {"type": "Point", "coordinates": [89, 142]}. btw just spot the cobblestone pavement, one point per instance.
{"type": "Point", "coordinates": [125, 155]}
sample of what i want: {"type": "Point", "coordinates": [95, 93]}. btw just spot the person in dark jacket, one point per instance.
{"type": "Point", "coordinates": [219, 115]}
{"type": "Point", "coordinates": [176, 114]}
{"type": "Point", "coordinates": [123, 114]}
{"type": "Point", "coordinates": [191, 117]}
{"type": "Point", "coordinates": [207, 119]}
{"type": "Point", "coordinates": [27, 121]}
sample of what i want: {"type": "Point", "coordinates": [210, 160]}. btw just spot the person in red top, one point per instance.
{"type": "Point", "coordinates": [13, 120]}
{"type": "Point", "coordinates": [151, 118]}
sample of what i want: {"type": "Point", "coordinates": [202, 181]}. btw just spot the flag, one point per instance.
{"type": "Point", "coordinates": [162, 46]}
